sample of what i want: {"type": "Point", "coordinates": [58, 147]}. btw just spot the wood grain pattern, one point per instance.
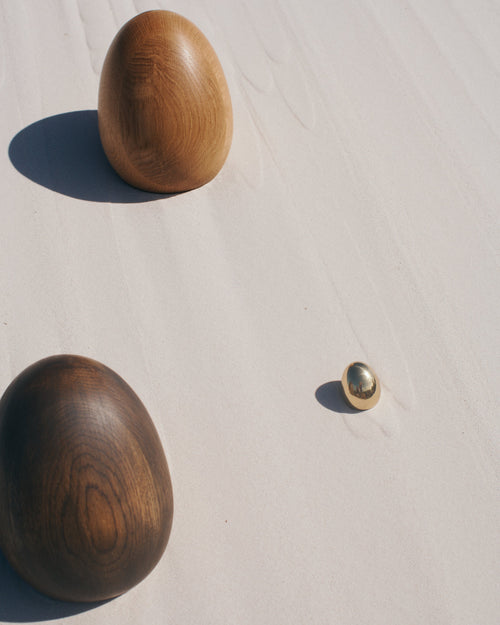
{"type": "Point", "coordinates": [372, 234]}
{"type": "Point", "coordinates": [85, 494]}
{"type": "Point", "coordinates": [165, 114]}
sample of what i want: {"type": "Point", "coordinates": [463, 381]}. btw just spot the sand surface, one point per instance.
{"type": "Point", "coordinates": [356, 218]}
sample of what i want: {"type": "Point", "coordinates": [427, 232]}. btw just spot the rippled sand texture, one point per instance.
{"type": "Point", "coordinates": [356, 218]}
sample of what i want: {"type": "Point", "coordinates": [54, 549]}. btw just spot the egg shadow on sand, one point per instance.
{"type": "Point", "coordinates": [331, 396]}
{"type": "Point", "coordinates": [64, 153]}
{"type": "Point", "coordinates": [20, 603]}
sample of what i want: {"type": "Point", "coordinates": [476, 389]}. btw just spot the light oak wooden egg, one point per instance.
{"type": "Point", "coordinates": [165, 115]}
{"type": "Point", "coordinates": [85, 494]}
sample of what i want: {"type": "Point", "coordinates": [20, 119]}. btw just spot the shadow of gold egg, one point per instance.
{"type": "Point", "coordinates": [361, 386]}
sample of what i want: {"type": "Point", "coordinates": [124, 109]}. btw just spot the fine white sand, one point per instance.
{"type": "Point", "coordinates": [355, 219]}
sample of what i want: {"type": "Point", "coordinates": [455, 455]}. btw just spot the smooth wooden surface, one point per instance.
{"type": "Point", "coordinates": [165, 115]}
{"type": "Point", "coordinates": [356, 218]}
{"type": "Point", "coordinates": [85, 494]}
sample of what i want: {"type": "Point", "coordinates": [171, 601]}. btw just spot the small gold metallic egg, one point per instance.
{"type": "Point", "coordinates": [361, 386]}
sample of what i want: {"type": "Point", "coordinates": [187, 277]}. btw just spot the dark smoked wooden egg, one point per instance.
{"type": "Point", "coordinates": [85, 494]}
{"type": "Point", "coordinates": [165, 114]}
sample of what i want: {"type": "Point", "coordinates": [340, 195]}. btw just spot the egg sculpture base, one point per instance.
{"type": "Point", "coordinates": [165, 115]}
{"type": "Point", "coordinates": [85, 494]}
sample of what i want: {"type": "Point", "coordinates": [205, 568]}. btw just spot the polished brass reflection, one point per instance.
{"type": "Point", "coordinates": [361, 386]}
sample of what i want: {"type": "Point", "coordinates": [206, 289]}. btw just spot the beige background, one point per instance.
{"type": "Point", "coordinates": [356, 218]}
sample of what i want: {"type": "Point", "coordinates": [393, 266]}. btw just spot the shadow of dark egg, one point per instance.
{"type": "Point", "coordinates": [64, 153]}
{"type": "Point", "coordinates": [21, 603]}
